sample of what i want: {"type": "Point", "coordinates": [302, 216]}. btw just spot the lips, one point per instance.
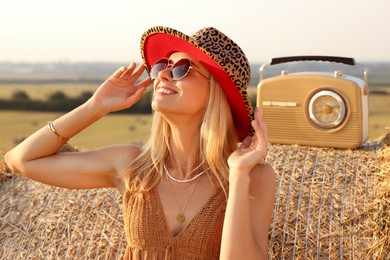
{"type": "Point", "coordinates": [165, 90]}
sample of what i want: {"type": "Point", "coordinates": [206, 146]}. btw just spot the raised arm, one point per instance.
{"type": "Point", "coordinates": [37, 157]}
{"type": "Point", "coordinates": [251, 198]}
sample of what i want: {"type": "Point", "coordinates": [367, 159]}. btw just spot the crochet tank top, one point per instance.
{"type": "Point", "coordinates": [148, 236]}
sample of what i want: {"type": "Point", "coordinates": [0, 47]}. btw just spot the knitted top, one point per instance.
{"type": "Point", "coordinates": [148, 236]}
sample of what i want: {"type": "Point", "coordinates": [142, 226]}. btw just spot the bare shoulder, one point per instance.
{"type": "Point", "coordinates": [120, 157]}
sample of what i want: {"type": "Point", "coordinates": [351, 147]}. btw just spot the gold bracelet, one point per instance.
{"type": "Point", "coordinates": [60, 138]}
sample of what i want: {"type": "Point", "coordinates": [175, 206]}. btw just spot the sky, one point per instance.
{"type": "Point", "coordinates": [110, 31]}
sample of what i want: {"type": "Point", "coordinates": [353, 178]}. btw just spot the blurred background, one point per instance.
{"type": "Point", "coordinates": [54, 54]}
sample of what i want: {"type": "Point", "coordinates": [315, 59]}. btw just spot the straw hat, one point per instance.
{"type": "Point", "coordinates": [218, 53]}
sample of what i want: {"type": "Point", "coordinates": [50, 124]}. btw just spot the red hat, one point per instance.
{"type": "Point", "coordinates": [218, 53]}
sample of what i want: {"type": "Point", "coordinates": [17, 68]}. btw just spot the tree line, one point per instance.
{"type": "Point", "coordinates": [59, 102]}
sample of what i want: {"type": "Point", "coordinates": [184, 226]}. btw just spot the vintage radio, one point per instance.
{"type": "Point", "coordinates": [327, 109]}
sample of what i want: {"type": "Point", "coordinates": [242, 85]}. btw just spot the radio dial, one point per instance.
{"type": "Point", "coordinates": [327, 109]}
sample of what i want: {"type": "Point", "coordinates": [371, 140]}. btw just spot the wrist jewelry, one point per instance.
{"type": "Point", "coordinates": [60, 138]}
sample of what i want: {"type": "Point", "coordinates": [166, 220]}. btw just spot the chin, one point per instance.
{"type": "Point", "coordinates": [170, 107]}
{"type": "Point", "coordinates": [161, 107]}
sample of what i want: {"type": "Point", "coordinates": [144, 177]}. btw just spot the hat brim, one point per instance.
{"type": "Point", "coordinates": [159, 43]}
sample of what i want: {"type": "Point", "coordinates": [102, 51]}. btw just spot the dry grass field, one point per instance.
{"type": "Point", "coordinates": [112, 129]}
{"type": "Point", "coordinates": [41, 91]}
{"type": "Point", "coordinates": [16, 125]}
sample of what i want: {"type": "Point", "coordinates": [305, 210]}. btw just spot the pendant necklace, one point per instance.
{"type": "Point", "coordinates": [180, 216]}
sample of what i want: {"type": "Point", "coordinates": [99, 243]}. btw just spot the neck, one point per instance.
{"type": "Point", "coordinates": [184, 146]}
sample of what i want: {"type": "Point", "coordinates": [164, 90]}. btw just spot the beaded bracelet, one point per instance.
{"type": "Point", "coordinates": [60, 138]}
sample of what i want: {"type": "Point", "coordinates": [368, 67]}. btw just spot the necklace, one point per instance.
{"type": "Point", "coordinates": [180, 187]}
{"type": "Point", "coordinates": [182, 181]}
{"type": "Point", "coordinates": [180, 216]}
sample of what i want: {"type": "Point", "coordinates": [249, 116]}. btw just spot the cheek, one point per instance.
{"type": "Point", "coordinates": [204, 95]}
{"type": "Point", "coordinates": [196, 98]}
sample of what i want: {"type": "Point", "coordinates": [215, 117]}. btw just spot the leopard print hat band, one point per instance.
{"type": "Point", "coordinates": [218, 53]}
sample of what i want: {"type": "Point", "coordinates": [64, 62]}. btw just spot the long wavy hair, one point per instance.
{"type": "Point", "coordinates": [218, 139]}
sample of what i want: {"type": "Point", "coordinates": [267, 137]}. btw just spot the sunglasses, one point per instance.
{"type": "Point", "coordinates": [179, 69]}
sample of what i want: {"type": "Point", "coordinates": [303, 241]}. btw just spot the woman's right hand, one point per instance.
{"type": "Point", "coordinates": [120, 90]}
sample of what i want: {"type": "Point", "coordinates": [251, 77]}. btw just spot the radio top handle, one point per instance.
{"type": "Point", "coordinates": [345, 60]}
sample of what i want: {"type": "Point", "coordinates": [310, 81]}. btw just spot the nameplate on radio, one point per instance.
{"type": "Point", "coordinates": [279, 104]}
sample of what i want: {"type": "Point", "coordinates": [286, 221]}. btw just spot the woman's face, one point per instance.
{"type": "Point", "coordinates": [188, 95]}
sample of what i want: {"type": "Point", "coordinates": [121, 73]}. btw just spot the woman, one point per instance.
{"type": "Point", "coordinates": [193, 191]}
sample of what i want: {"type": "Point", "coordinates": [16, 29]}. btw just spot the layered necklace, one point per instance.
{"type": "Point", "coordinates": [180, 216]}
{"type": "Point", "coordinates": [185, 180]}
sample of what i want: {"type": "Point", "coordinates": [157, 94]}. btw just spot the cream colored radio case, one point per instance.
{"type": "Point", "coordinates": [315, 109]}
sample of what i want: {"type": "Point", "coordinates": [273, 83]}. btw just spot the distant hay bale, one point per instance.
{"type": "Point", "coordinates": [330, 204]}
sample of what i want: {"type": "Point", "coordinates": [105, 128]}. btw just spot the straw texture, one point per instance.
{"type": "Point", "coordinates": [330, 204]}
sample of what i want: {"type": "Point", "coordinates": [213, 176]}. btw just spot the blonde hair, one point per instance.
{"type": "Point", "coordinates": [218, 139]}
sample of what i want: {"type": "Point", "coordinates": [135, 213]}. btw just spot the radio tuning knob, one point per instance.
{"type": "Point", "coordinates": [327, 109]}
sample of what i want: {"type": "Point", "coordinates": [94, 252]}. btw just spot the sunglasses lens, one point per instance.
{"type": "Point", "coordinates": [180, 69]}
{"type": "Point", "coordinates": [160, 65]}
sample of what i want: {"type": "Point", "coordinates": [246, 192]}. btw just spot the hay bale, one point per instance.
{"type": "Point", "coordinates": [381, 209]}
{"type": "Point", "coordinates": [5, 173]}
{"type": "Point", "coordinates": [331, 203]}
{"type": "Point", "coordinates": [38, 221]}
{"type": "Point", "coordinates": [327, 201]}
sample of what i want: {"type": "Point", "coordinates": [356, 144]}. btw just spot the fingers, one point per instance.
{"type": "Point", "coordinates": [261, 134]}
{"type": "Point", "coordinates": [130, 72]}
{"type": "Point", "coordinates": [119, 72]}
{"type": "Point", "coordinates": [246, 142]}
{"type": "Point", "coordinates": [131, 100]}
{"type": "Point", "coordinates": [129, 75]}
{"type": "Point", "coordinates": [260, 124]}
{"type": "Point", "coordinates": [138, 71]}
{"type": "Point", "coordinates": [142, 85]}
{"type": "Point", "coordinates": [146, 82]}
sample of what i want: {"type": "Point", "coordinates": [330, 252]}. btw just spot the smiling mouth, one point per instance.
{"type": "Point", "coordinates": [165, 91]}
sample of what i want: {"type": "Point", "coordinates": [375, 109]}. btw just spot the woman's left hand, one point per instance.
{"type": "Point", "coordinates": [253, 149]}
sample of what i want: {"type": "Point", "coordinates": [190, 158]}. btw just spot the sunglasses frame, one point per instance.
{"type": "Point", "coordinates": [173, 66]}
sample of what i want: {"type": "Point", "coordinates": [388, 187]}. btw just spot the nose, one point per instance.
{"type": "Point", "coordinates": [166, 74]}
